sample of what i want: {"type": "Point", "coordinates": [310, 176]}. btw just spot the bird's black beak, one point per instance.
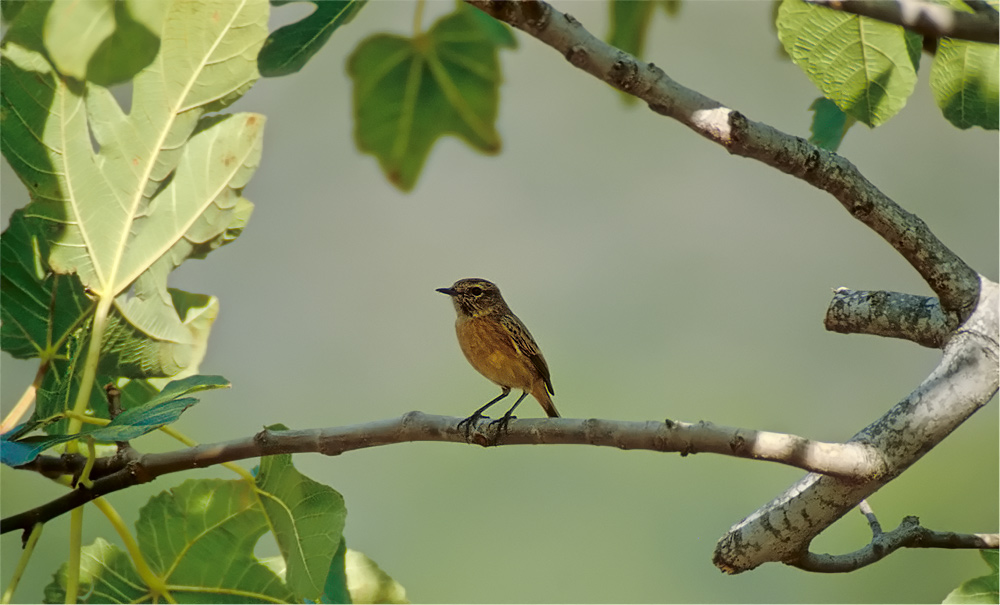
{"type": "Point", "coordinates": [448, 291]}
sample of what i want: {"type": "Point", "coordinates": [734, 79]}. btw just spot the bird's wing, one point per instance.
{"type": "Point", "coordinates": [524, 343]}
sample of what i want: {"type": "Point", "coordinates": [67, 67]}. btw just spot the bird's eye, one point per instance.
{"type": "Point", "coordinates": [476, 291]}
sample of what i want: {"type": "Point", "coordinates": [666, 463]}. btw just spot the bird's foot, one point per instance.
{"type": "Point", "coordinates": [502, 422]}
{"type": "Point", "coordinates": [470, 422]}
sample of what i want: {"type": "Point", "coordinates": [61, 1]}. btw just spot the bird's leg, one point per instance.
{"type": "Point", "coordinates": [506, 418]}
{"type": "Point", "coordinates": [471, 420]}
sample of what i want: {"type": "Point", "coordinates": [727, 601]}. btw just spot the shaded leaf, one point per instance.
{"type": "Point", "coordinates": [289, 48]}
{"type": "Point", "coordinates": [964, 81]}
{"type": "Point", "coordinates": [408, 92]}
{"type": "Point", "coordinates": [829, 124]}
{"type": "Point", "coordinates": [308, 520]}
{"type": "Point", "coordinates": [867, 67]}
{"type": "Point", "coordinates": [39, 309]}
{"type": "Point", "coordinates": [132, 45]}
{"type": "Point", "coordinates": [629, 22]}
{"type": "Point", "coordinates": [671, 7]}
{"type": "Point", "coordinates": [74, 30]}
{"type": "Point", "coordinates": [335, 589]}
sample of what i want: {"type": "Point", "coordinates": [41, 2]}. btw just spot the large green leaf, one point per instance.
{"type": "Point", "coordinates": [867, 67]}
{"type": "Point", "coordinates": [964, 80]}
{"type": "Point", "coordinates": [308, 520]}
{"type": "Point", "coordinates": [289, 48]}
{"type": "Point", "coordinates": [410, 91]}
{"type": "Point", "coordinates": [201, 536]}
{"type": "Point", "coordinates": [199, 539]}
{"type": "Point", "coordinates": [164, 183]}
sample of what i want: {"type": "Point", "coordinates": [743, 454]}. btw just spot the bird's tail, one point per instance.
{"type": "Point", "coordinates": [542, 395]}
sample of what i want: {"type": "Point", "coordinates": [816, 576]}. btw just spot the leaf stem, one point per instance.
{"type": "Point", "coordinates": [90, 366]}
{"type": "Point", "coordinates": [418, 17]}
{"type": "Point", "coordinates": [155, 583]}
{"type": "Point", "coordinates": [75, 550]}
{"type": "Point", "coordinates": [22, 563]}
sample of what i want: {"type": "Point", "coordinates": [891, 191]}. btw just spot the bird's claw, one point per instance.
{"type": "Point", "coordinates": [502, 422]}
{"type": "Point", "coordinates": [470, 422]}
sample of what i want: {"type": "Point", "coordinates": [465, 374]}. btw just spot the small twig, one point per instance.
{"type": "Point", "coordinates": [924, 18]}
{"type": "Point", "coordinates": [869, 514]}
{"type": "Point", "coordinates": [909, 534]}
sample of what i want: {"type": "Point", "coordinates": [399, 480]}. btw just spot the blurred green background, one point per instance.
{"type": "Point", "coordinates": [661, 276]}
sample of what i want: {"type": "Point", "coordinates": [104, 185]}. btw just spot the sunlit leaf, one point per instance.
{"type": "Point", "coordinates": [965, 82]}
{"type": "Point", "coordinates": [867, 67]}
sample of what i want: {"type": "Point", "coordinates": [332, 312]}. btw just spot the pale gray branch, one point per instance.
{"type": "Point", "coordinates": [854, 462]}
{"type": "Point", "coordinates": [965, 379]}
{"type": "Point", "coordinates": [924, 18]}
{"type": "Point", "coordinates": [890, 314]}
{"type": "Point", "coordinates": [955, 283]}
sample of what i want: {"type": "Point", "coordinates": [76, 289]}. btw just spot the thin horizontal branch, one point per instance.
{"type": "Point", "coordinates": [891, 314]}
{"type": "Point", "coordinates": [909, 534]}
{"type": "Point", "coordinates": [853, 462]}
{"type": "Point", "coordinates": [924, 18]}
{"type": "Point", "coordinates": [955, 283]}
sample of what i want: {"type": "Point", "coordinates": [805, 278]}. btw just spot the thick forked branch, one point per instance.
{"type": "Point", "coordinates": [854, 462]}
{"type": "Point", "coordinates": [955, 283]}
{"type": "Point", "coordinates": [924, 18]}
{"type": "Point", "coordinates": [965, 380]}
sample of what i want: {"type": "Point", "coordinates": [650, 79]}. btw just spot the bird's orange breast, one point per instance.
{"type": "Point", "coordinates": [491, 351]}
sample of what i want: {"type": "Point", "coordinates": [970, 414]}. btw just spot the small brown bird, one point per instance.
{"type": "Point", "coordinates": [499, 347]}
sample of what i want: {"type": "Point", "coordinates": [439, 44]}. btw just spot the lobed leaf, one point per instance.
{"type": "Point", "coordinates": [868, 68]}
{"type": "Point", "coordinates": [308, 522]}
{"type": "Point", "coordinates": [410, 91]}
{"type": "Point", "coordinates": [200, 536]}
